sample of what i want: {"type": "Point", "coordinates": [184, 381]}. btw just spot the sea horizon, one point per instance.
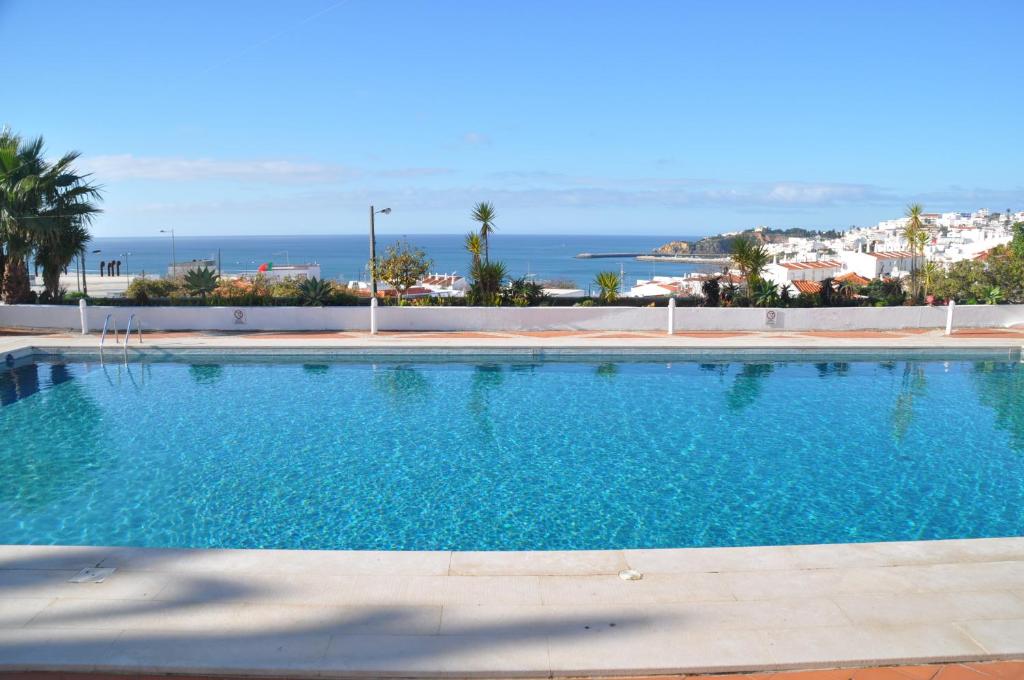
{"type": "Point", "coordinates": [545, 257]}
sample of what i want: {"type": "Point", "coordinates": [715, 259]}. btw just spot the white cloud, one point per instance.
{"type": "Point", "coordinates": [128, 166]}
{"type": "Point", "coordinates": [476, 138]}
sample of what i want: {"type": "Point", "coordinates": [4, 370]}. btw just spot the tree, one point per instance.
{"type": "Point", "coordinates": [484, 214]}
{"type": "Point", "coordinates": [750, 258]}
{"type": "Point", "coordinates": [711, 288]}
{"type": "Point", "coordinates": [201, 282]}
{"type": "Point", "coordinates": [475, 247]}
{"type": "Point", "coordinates": [485, 287]}
{"type": "Point", "coordinates": [1017, 244]}
{"type": "Point", "coordinates": [609, 283]}
{"type": "Point", "coordinates": [826, 294]}
{"type": "Point", "coordinates": [43, 204]}
{"type": "Point", "coordinates": [402, 266]}
{"type": "Point", "coordinates": [916, 238]}
{"type": "Point", "coordinates": [55, 251]}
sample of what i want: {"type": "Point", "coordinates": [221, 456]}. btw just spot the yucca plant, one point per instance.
{"type": "Point", "coordinates": [609, 283]}
{"type": "Point", "coordinates": [314, 292]}
{"type": "Point", "coordinates": [484, 214]}
{"type": "Point", "coordinates": [765, 293]}
{"type": "Point", "coordinates": [201, 282]}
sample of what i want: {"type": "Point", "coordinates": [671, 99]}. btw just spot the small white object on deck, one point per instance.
{"type": "Point", "coordinates": [949, 317]}
{"type": "Point", "coordinates": [630, 575]}
{"type": "Point", "coordinates": [92, 575]}
{"type": "Point", "coordinates": [671, 316]}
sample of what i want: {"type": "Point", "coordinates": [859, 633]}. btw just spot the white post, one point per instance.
{"type": "Point", "coordinates": [373, 316]}
{"type": "Point", "coordinates": [671, 316]}
{"type": "Point", "coordinates": [84, 314]}
{"type": "Point", "coordinates": [949, 317]}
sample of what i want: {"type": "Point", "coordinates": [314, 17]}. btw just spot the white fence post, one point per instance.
{"type": "Point", "coordinates": [949, 317]}
{"type": "Point", "coordinates": [671, 316]}
{"type": "Point", "coordinates": [373, 316]}
{"type": "Point", "coordinates": [84, 314]}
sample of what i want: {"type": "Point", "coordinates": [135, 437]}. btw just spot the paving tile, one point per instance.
{"type": "Point", "coordinates": [898, 608]}
{"type": "Point", "coordinates": [965, 576]}
{"type": "Point", "coordinates": [55, 650]}
{"type": "Point", "coordinates": [689, 560]}
{"type": "Point", "coordinates": [663, 618]}
{"type": "Point", "coordinates": [917, 672]}
{"type": "Point", "coordinates": [46, 583]}
{"type": "Point", "coordinates": [885, 673]}
{"type": "Point", "coordinates": [826, 674]}
{"type": "Point", "coordinates": [512, 650]}
{"type": "Point", "coordinates": [768, 585]}
{"type": "Point", "coordinates": [492, 590]}
{"type": "Point", "coordinates": [17, 611]}
{"type": "Point", "coordinates": [552, 563]}
{"type": "Point", "coordinates": [150, 615]}
{"type": "Point", "coordinates": [611, 651]}
{"type": "Point", "coordinates": [308, 588]}
{"type": "Point", "coordinates": [22, 557]}
{"type": "Point", "coordinates": [957, 671]}
{"type": "Point", "coordinates": [866, 645]}
{"type": "Point", "coordinates": [999, 638]}
{"type": "Point", "coordinates": [258, 654]}
{"type": "Point", "coordinates": [656, 588]}
{"type": "Point", "coordinates": [333, 561]}
{"type": "Point", "coordinates": [1005, 670]}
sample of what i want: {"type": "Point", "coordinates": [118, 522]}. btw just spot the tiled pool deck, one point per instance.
{"type": "Point", "coordinates": [336, 614]}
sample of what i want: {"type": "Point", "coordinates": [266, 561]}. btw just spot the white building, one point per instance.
{"type": "Point", "coordinates": [445, 285]}
{"type": "Point", "coordinates": [891, 263]}
{"type": "Point", "coordinates": [280, 272]}
{"type": "Point", "coordinates": [782, 273]}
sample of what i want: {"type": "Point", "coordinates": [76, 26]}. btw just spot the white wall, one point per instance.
{"type": "Point", "coordinates": [511, 318]}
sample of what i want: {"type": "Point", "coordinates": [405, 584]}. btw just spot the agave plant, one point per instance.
{"type": "Point", "coordinates": [314, 292]}
{"type": "Point", "coordinates": [765, 293]}
{"type": "Point", "coordinates": [201, 282]}
{"type": "Point", "coordinates": [609, 283]}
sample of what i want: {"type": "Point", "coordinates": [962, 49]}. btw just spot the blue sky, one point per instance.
{"type": "Point", "coordinates": [572, 117]}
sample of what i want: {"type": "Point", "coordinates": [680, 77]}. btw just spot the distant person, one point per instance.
{"type": "Point", "coordinates": [102, 264]}
{"type": "Point", "coordinates": [117, 265]}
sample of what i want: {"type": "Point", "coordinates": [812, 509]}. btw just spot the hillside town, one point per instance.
{"type": "Point", "coordinates": [858, 255]}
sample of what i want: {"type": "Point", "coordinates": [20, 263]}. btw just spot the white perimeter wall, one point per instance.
{"type": "Point", "coordinates": [510, 318]}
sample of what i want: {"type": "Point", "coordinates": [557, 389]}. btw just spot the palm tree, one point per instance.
{"type": "Point", "coordinates": [915, 236]}
{"type": "Point", "coordinates": [483, 213]}
{"type": "Point", "coordinates": [475, 247]}
{"type": "Point", "coordinates": [201, 282]}
{"type": "Point", "coordinates": [750, 257]}
{"type": "Point", "coordinates": [42, 204]}
{"type": "Point", "coordinates": [608, 282]}
{"type": "Point", "coordinates": [56, 251]}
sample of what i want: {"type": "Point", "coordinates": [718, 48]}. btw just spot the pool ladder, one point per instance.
{"type": "Point", "coordinates": [111, 321]}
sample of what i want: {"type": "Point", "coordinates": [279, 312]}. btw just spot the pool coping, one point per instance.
{"type": "Point", "coordinates": [529, 614]}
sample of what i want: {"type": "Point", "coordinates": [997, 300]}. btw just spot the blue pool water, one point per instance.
{"type": "Point", "coordinates": [517, 454]}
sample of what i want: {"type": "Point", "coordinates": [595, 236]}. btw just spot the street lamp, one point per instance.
{"type": "Point", "coordinates": [174, 258]}
{"type": "Point", "coordinates": [373, 249]}
{"type": "Point", "coordinates": [85, 286]}
{"type": "Point", "coordinates": [125, 256]}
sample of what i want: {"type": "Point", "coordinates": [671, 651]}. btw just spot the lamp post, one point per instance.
{"type": "Point", "coordinates": [125, 256]}
{"type": "Point", "coordinates": [174, 257]}
{"type": "Point", "coordinates": [85, 273]}
{"type": "Point", "coordinates": [373, 250]}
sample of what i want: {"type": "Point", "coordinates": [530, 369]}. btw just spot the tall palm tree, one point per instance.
{"type": "Point", "coordinates": [42, 204]}
{"type": "Point", "coordinates": [915, 236]}
{"type": "Point", "coordinates": [483, 213]}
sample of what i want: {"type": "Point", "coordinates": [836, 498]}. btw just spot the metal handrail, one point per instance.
{"type": "Point", "coordinates": [106, 323]}
{"type": "Point", "coordinates": [128, 331]}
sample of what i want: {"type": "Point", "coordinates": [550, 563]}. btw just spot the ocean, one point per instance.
{"type": "Point", "coordinates": [344, 257]}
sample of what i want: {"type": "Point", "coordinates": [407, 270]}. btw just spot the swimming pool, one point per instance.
{"type": "Point", "coordinates": [486, 454]}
